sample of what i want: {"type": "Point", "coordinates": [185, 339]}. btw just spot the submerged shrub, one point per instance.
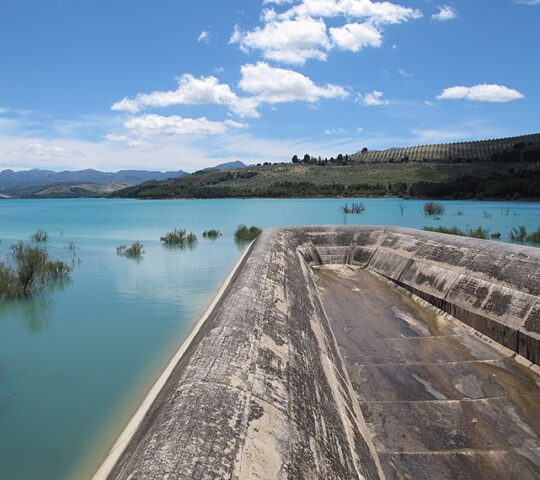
{"type": "Point", "coordinates": [496, 236]}
{"type": "Point", "coordinates": [179, 237]}
{"type": "Point", "coordinates": [433, 208]}
{"type": "Point", "coordinates": [39, 236]}
{"type": "Point", "coordinates": [356, 208]}
{"type": "Point", "coordinates": [518, 234]}
{"type": "Point", "coordinates": [212, 234]}
{"type": "Point", "coordinates": [245, 234]}
{"type": "Point", "coordinates": [31, 271]}
{"type": "Point", "coordinates": [534, 237]}
{"type": "Point", "coordinates": [135, 250]}
{"type": "Point", "coordinates": [478, 232]}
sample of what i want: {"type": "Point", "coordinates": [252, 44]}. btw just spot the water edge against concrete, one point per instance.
{"type": "Point", "coordinates": [262, 390]}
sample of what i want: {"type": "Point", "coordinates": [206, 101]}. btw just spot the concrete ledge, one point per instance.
{"type": "Point", "coordinates": [261, 391]}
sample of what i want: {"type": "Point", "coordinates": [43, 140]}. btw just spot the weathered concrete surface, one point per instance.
{"type": "Point", "coordinates": [440, 402]}
{"type": "Point", "coordinates": [262, 391]}
{"type": "Point", "coordinates": [493, 287]}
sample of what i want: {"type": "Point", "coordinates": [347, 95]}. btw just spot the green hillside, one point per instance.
{"type": "Point", "coordinates": [512, 171]}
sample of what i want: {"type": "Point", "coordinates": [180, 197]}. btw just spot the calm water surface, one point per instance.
{"type": "Point", "coordinates": [76, 361]}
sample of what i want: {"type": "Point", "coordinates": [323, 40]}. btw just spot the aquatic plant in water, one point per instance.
{"type": "Point", "coordinates": [433, 208]}
{"type": "Point", "coordinates": [39, 236]}
{"type": "Point", "coordinates": [30, 272]}
{"type": "Point", "coordinates": [356, 208]}
{"type": "Point", "coordinates": [245, 234]}
{"type": "Point", "coordinates": [518, 234]}
{"type": "Point", "coordinates": [135, 250]}
{"type": "Point", "coordinates": [212, 234]}
{"type": "Point", "coordinates": [179, 237]}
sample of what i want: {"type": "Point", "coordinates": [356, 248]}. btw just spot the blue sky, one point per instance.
{"type": "Point", "coordinates": [182, 85]}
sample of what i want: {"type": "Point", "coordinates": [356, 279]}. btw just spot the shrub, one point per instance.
{"type": "Point", "coordinates": [478, 232]}
{"type": "Point", "coordinates": [32, 271]}
{"type": "Point", "coordinates": [534, 237]}
{"type": "Point", "coordinates": [433, 208]}
{"type": "Point", "coordinates": [518, 234]}
{"type": "Point", "coordinates": [245, 234]}
{"type": "Point", "coordinates": [212, 234]}
{"type": "Point", "coordinates": [135, 250]}
{"type": "Point", "coordinates": [356, 208]}
{"type": "Point", "coordinates": [39, 236]}
{"type": "Point", "coordinates": [496, 236]}
{"type": "Point", "coordinates": [179, 237]}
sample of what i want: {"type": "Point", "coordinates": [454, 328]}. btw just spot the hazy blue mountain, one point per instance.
{"type": "Point", "coordinates": [228, 166]}
{"type": "Point", "coordinates": [36, 177]}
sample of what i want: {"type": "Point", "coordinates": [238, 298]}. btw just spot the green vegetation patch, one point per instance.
{"type": "Point", "coordinates": [179, 237]}
{"type": "Point", "coordinates": [39, 236]}
{"type": "Point", "coordinates": [30, 272]}
{"type": "Point", "coordinates": [211, 234]}
{"type": "Point", "coordinates": [245, 234]}
{"type": "Point", "coordinates": [135, 250]}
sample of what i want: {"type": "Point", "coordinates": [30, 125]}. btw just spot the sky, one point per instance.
{"type": "Point", "coordinates": [182, 85]}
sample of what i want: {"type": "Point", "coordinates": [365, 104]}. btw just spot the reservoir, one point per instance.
{"type": "Point", "coordinates": [76, 361]}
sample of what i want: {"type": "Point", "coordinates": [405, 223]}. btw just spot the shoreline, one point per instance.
{"type": "Point", "coordinates": [123, 440]}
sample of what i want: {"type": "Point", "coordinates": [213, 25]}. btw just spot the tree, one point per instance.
{"type": "Point", "coordinates": [295, 159]}
{"type": "Point", "coordinates": [364, 150]}
{"type": "Point", "coordinates": [307, 158]}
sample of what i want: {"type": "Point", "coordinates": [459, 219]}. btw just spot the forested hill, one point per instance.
{"type": "Point", "coordinates": [511, 171]}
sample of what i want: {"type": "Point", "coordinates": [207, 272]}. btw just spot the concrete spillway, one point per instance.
{"type": "Point", "coordinates": [332, 353]}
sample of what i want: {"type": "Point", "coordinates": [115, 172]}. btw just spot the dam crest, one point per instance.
{"type": "Point", "coordinates": [353, 352]}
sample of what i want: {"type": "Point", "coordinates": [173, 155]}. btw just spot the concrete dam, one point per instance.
{"type": "Point", "coordinates": [353, 353]}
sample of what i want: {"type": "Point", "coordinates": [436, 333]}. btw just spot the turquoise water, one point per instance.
{"type": "Point", "coordinates": [76, 361]}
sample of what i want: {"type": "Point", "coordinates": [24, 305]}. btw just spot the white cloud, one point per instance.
{"type": "Point", "coordinates": [191, 91]}
{"type": "Point", "coordinates": [176, 125]}
{"type": "Point", "coordinates": [355, 36]}
{"type": "Point", "coordinates": [444, 14]}
{"type": "Point", "coordinates": [126, 105]}
{"type": "Point", "coordinates": [276, 85]}
{"type": "Point", "coordinates": [335, 131]}
{"type": "Point", "coordinates": [204, 37]}
{"type": "Point", "coordinates": [300, 32]}
{"type": "Point", "coordinates": [405, 74]}
{"type": "Point", "coordinates": [288, 41]}
{"type": "Point", "coordinates": [481, 93]}
{"type": "Point", "coordinates": [45, 150]}
{"type": "Point", "coordinates": [376, 12]}
{"type": "Point", "coordinates": [528, 2]}
{"type": "Point", "coordinates": [372, 99]}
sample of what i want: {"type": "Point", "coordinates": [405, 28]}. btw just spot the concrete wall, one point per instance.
{"type": "Point", "coordinates": [261, 392]}
{"type": "Point", "coordinates": [491, 286]}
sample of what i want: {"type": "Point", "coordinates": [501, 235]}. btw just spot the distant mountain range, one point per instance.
{"type": "Point", "coordinates": [37, 183]}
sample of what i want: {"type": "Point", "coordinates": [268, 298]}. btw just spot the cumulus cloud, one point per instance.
{"type": "Point", "coordinates": [355, 36]}
{"type": "Point", "coordinates": [372, 99]}
{"type": "Point", "coordinates": [300, 32]}
{"type": "Point", "coordinates": [190, 91]}
{"type": "Point", "coordinates": [288, 41]}
{"type": "Point", "coordinates": [481, 93]}
{"type": "Point", "coordinates": [176, 125]}
{"type": "Point", "coordinates": [275, 85]}
{"type": "Point", "coordinates": [444, 14]}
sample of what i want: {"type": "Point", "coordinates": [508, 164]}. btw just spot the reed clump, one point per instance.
{"type": "Point", "coordinates": [211, 234]}
{"type": "Point", "coordinates": [247, 234]}
{"type": "Point", "coordinates": [30, 271]}
{"type": "Point", "coordinates": [135, 250]}
{"type": "Point", "coordinates": [179, 237]}
{"type": "Point", "coordinates": [39, 236]}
